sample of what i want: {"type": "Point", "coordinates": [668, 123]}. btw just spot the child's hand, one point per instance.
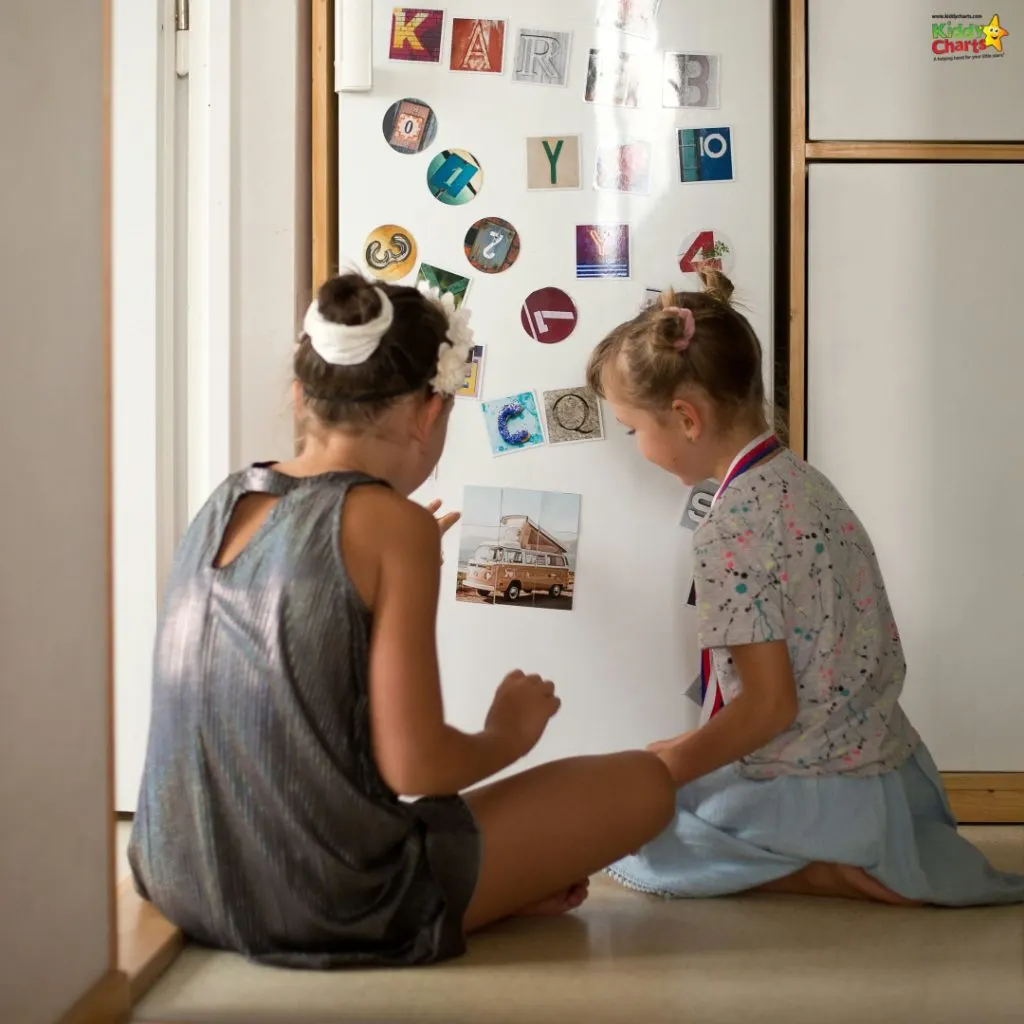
{"type": "Point", "coordinates": [660, 746]}
{"type": "Point", "coordinates": [445, 522]}
{"type": "Point", "coordinates": [522, 707]}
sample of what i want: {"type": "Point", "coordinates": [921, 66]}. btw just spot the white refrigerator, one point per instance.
{"type": "Point", "coordinates": [550, 163]}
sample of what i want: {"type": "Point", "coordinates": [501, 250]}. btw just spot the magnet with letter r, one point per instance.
{"type": "Point", "coordinates": [699, 504]}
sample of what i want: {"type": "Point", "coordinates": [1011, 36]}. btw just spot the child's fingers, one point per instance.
{"type": "Point", "coordinates": [447, 521]}
{"type": "Point", "coordinates": [434, 506]}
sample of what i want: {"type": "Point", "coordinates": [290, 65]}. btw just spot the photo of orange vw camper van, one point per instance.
{"type": "Point", "coordinates": [522, 556]}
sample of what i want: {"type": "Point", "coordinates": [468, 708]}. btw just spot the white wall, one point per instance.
{"type": "Point", "coordinates": [55, 859]}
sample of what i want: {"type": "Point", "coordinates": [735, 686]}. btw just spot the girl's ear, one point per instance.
{"type": "Point", "coordinates": [690, 417]}
{"type": "Point", "coordinates": [297, 399]}
{"type": "Point", "coordinates": [433, 410]}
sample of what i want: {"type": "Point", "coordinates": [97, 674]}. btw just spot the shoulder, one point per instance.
{"type": "Point", "coordinates": [385, 537]}
{"type": "Point", "coordinates": [376, 513]}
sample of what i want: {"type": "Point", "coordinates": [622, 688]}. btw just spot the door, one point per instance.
{"type": "Point", "coordinates": [149, 301]}
{"type": "Point", "coordinates": [914, 369]}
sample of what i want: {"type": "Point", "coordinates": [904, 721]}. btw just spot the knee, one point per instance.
{"type": "Point", "coordinates": [654, 789]}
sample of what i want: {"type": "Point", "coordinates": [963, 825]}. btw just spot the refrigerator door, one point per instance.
{"type": "Point", "coordinates": [433, 151]}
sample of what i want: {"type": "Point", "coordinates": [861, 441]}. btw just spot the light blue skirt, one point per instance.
{"type": "Point", "coordinates": [731, 834]}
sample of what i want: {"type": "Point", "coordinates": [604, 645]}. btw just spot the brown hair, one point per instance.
{"type": "Point", "coordinates": [405, 361]}
{"type": "Point", "coordinates": [723, 358]}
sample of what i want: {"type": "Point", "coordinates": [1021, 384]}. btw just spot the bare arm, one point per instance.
{"type": "Point", "coordinates": [416, 752]}
{"type": "Point", "coordinates": [765, 708]}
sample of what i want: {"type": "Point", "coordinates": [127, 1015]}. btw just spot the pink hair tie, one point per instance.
{"type": "Point", "coordinates": [689, 326]}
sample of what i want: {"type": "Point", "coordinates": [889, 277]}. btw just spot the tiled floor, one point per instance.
{"type": "Point", "coordinates": [627, 958]}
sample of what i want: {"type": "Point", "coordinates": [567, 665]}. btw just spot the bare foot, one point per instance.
{"type": "Point", "coordinates": [840, 880]}
{"type": "Point", "coordinates": [561, 903]}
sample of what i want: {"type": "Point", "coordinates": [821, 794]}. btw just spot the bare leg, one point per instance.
{"type": "Point", "coordinates": [842, 880]}
{"type": "Point", "coordinates": [545, 831]}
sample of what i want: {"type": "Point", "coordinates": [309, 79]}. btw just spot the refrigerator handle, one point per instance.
{"type": "Point", "coordinates": [353, 46]}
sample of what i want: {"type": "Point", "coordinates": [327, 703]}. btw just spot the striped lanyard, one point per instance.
{"type": "Point", "coordinates": [758, 449]}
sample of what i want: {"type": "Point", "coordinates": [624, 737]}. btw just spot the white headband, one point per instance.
{"type": "Point", "coordinates": [347, 344]}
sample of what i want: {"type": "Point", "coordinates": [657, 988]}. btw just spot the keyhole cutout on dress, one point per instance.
{"type": "Point", "coordinates": [247, 517]}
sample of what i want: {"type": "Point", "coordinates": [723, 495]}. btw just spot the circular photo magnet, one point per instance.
{"type": "Point", "coordinates": [409, 126]}
{"type": "Point", "coordinates": [390, 252]}
{"type": "Point", "coordinates": [548, 315]}
{"type": "Point", "coordinates": [454, 177]}
{"type": "Point", "coordinates": [492, 245]}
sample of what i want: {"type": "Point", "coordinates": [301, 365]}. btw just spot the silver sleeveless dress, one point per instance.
{"type": "Point", "coordinates": [263, 825]}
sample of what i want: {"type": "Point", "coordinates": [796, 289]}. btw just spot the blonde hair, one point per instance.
{"type": "Point", "coordinates": [651, 361]}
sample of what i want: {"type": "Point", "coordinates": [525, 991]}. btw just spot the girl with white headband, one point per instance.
{"type": "Point", "coordinates": [297, 698]}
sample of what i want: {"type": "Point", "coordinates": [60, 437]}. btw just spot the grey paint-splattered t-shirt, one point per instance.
{"type": "Point", "coordinates": [782, 557]}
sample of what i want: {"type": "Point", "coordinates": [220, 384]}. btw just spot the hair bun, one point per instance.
{"type": "Point", "coordinates": [669, 327]}
{"type": "Point", "coordinates": [716, 285]}
{"type": "Point", "coordinates": [348, 299]}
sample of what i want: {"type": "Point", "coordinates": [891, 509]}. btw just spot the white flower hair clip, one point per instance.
{"type": "Point", "coordinates": [453, 353]}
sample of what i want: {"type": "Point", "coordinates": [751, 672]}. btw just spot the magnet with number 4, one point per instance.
{"type": "Point", "coordinates": [706, 250]}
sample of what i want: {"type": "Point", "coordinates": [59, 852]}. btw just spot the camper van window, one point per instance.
{"type": "Point", "coordinates": [516, 557]}
{"type": "Point", "coordinates": [558, 560]}
{"type": "Point", "coordinates": [484, 553]}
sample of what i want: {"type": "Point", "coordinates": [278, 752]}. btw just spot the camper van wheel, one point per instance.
{"type": "Point", "coordinates": [483, 593]}
{"type": "Point", "coordinates": [555, 591]}
{"type": "Point", "coordinates": [513, 592]}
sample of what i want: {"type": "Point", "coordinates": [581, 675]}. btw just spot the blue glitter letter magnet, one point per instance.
{"type": "Point", "coordinates": [513, 423]}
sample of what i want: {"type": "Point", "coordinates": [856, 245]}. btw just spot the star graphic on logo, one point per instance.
{"type": "Point", "coordinates": [994, 33]}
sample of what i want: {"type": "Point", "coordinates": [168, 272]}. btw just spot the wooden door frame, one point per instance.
{"type": "Point", "coordinates": [324, 108]}
{"type": "Point", "coordinates": [976, 797]}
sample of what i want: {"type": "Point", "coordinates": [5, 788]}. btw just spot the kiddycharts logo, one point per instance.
{"type": "Point", "coordinates": [966, 37]}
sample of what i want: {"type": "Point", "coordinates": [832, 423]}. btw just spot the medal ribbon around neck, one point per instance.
{"type": "Point", "coordinates": [760, 448]}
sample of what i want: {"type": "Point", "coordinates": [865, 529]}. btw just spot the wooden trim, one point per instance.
{"type": "Point", "coordinates": [324, 106]}
{"type": "Point", "coordinates": [148, 942]}
{"type": "Point", "coordinates": [931, 152]}
{"type": "Point", "coordinates": [107, 257]}
{"type": "Point", "coordinates": [107, 1001]}
{"type": "Point", "coordinates": [797, 385]}
{"type": "Point", "coordinates": [986, 798]}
